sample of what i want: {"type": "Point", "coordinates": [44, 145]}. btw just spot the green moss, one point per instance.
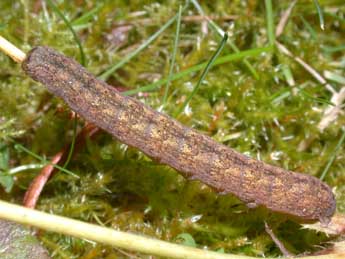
{"type": "Point", "coordinates": [265, 118]}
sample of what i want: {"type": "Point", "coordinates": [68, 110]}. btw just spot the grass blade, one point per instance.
{"type": "Point", "coordinates": [320, 13]}
{"type": "Point", "coordinates": [70, 27]}
{"type": "Point", "coordinates": [334, 77]}
{"type": "Point", "coordinates": [203, 75]}
{"type": "Point", "coordinates": [222, 60]}
{"type": "Point", "coordinates": [21, 168]}
{"type": "Point", "coordinates": [71, 149]}
{"type": "Point", "coordinates": [270, 22]}
{"type": "Point", "coordinates": [309, 28]}
{"type": "Point", "coordinates": [331, 49]}
{"type": "Point", "coordinates": [177, 35]}
{"type": "Point", "coordinates": [316, 99]}
{"type": "Point", "coordinates": [85, 18]}
{"type": "Point", "coordinates": [335, 152]}
{"type": "Point", "coordinates": [41, 159]}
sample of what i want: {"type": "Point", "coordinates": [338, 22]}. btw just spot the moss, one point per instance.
{"type": "Point", "coordinates": [265, 118]}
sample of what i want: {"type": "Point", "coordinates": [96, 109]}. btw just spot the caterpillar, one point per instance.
{"type": "Point", "coordinates": [167, 141]}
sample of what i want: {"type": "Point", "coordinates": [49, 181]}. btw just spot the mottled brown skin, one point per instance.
{"type": "Point", "coordinates": [165, 140]}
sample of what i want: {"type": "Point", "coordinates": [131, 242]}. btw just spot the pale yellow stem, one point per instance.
{"type": "Point", "coordinates": [116, 238]}
{"type": "Point", "coordinates": [8, 48]}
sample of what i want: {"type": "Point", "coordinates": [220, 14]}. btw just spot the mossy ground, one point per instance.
{"type": "Point", "coordinates": [259, 114]}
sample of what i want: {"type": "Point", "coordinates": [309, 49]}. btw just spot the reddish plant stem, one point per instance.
{"type": "Point", "coordinates": [33, 192]}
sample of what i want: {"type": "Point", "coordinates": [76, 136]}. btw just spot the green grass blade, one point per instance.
{"type": "Point", "coordinates": [177, 35]}
{"type": "Point", "coordinates": [24, 149]}
{"type": "Point", "coordinates": [316, 99]}
{"type": "Point", "coordinates": [288, 75]}
{"type": "Point", "coordinates": [309, 28]}
{"type": "Point", "coordinates": [331, 49]}
{"type": "Point", "coordinates": [232, 45]}
{"type": "Point", "coordinates": [105, 75]}
{"type": "Point", "coordinates": [203, 75]}
{"type": "Point", "coordinates": [85, 18]}
{"type": "Point", "coordinates": [270, 22]}
{"type": "Point", "coordinates": [335, 152]}
{"type": "Point", "coordinates": [26, 20]}
{"type": "Point", "coordinates": [334, 77]}
{"type": "Point", "coordinates": [335, 16]}
{"type": "Point", "coordinates": [70, 27]}
{"type": "Point", "coordinates": [22, 168]}
{"type": "Point", "coordinates": [71, 149]}
{"type": "Point", "coordinates": [222, 60]}
{"type": "Point", "coordinates": [320, 13]}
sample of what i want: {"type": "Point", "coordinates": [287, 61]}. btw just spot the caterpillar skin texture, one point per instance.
{"type": "Point", "coordinates": [167, 141]}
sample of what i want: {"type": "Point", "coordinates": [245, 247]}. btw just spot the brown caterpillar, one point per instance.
{"type": "Point", "coordinates": [164, 139]}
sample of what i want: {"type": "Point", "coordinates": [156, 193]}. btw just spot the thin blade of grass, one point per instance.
{"type": "Point", "coordinates": [320, 13]}
{"type": "Point", "coordinates": [309, 28]}
{"type": "Point", "coordinates": [70, 27]}
{"type": "Point", "coordinates": [232, 45]}
{"type": "Point", "coordinates": [280, 96]}
{"type": "Point", "coordinates": [222, 60]}
{"type": "Point", "coordinates": [38, 157]}
{"type": "Point", "coordinates": [203, 75]}
{"type": "Point", "coordinates": [86, 17]}
{"type": "Point", "coordinates": [105, 75]}
{"type": "Point", "coordinates": [334, 77]}
{"type": "Point", "coordinates": [26, 20]}
{"type": "Point", "coordinates": [177, 35]}
{"type": "Point", "coordinates": [71, 149]}
{"type": "Point", "coordinates": [288, 75]}
{"type": "Point", "coordinates": [22, 168]}
{"type": "Point", "coordinates": [335, 16]}
{"type": "Point", "coordinates": [316, 99]}
{"type": "Point", "coordinates": [270, 22]}
{"type": "Point", "coordinates": [330, 49]}
{"type": "Point", "coordinates": [334, 154]}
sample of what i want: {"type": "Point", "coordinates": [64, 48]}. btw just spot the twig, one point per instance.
{"type": "Point", "coordinates": [116, 238]}
{"type": "Point", "coordinates": [104, 235]}
{"type": "Point", "coordinates": [9, 49]}
{"type": "Point", "coordinates": [284, 18]}
{"type": "Point", "coordinates": [278, 243]}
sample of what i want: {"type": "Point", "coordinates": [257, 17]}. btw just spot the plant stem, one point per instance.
{"type": "Point", "coordinates": [9, 49]}
{"type": "Point", "coordinates": [112, 237]}
{"type": "Point", "coordinates": [104, 235]}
